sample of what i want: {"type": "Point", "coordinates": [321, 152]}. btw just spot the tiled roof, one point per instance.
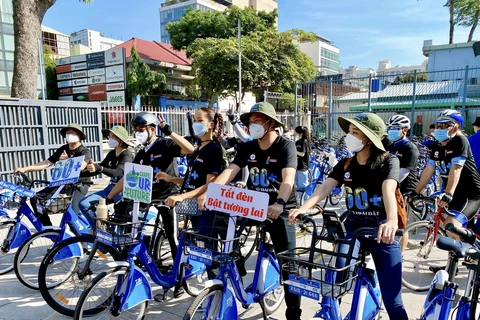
{"type": "Point", "coordinates": [422, 89]}
{"type": "Point", "coordinates": [157, 51]}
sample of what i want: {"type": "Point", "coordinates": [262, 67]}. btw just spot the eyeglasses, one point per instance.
{"type": "Point", "coordinates": [443, 125]}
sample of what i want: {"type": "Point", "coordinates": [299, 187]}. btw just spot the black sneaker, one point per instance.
{"type": "Point", "coordinates": [436, 269]}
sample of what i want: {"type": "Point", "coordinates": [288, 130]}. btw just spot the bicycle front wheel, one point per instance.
{"type": "Point", "coordinates": [99, 300]}
{"type": "Point", "coordinates": [206, 305]}
{"type": "Point", "coordinates": [7, 255]}
{"type": "Point", "coordinates": [272, 301]}
{"type": "Point", "coordinates": [30, 254]}
{"type": "Point", "coordinates": [69, 268]}
{"type": "Point", "coordinates": [421, 258]}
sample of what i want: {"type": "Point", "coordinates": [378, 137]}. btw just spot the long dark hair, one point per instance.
{"type": "Point", "coordinates": [217, 129]}
{"type": "Point", "coordinates": [305, 133]}
{"type": "Point", "coordinates": [377, 158]}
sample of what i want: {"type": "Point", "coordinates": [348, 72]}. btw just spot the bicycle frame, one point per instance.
{"type": "Point", "coordinates": [266, 279]}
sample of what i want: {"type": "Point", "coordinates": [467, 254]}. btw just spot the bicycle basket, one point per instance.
{"type": "Point", "coordinates": [321, 270]}
{"type": "Point", "coordinates": [118, 234]}
{"type": "Point", "coordinates": [49, 205]}
{"type": "Point", "coordinates": [9, 200]}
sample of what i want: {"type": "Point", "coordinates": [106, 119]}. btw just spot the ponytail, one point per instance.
{"type": "Point", "coordinates": [217, 132]}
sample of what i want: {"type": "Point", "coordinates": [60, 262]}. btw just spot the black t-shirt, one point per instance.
{"type": "Point", "coordinates": [114, 166]}
{"type": "Point", "coordinates": [408, 154]}
{"type": "Point", "coordinates": [302, 145]}
{"type": "Point", "coordinates": [457, 149]}
{"type": "Point", "coordinates": [265, 167]}
{"type": "Point", "coordinates": [205, 161]}
{"type": "Point", "coordinates": [363, 186]}
{"type": "Point", "coordinates": [161, 156]}
{"type": "Point", "coordinates": [78, 152]}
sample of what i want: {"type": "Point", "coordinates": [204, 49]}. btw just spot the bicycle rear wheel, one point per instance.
{"type": "Point", "coordinates": [60, 277]}
{"type": "Point", "coordinates": [304, 236]}
{"type": "Point", "coordinates": [7, 255]}
{"type": "Point", "coordinates": [421, 257]}
{"type": "Point", "coordinates": [98, 298]}
{"type": "Point", "coordinates": [248, 241]}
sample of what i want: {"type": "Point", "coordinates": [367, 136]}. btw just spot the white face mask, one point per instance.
{"type": "Point", "coordinates": [112, 143]}
{"type": "Point", "coordinates": [353, 143]}
{"type": "Point", "coordinates": [141, 137]}
{"type": "Point", "coordinates": [199, 129]}
{"type": "Point", "coordinates": [257, 131]}
{"type": "Point", "coordinates": [72, 138]}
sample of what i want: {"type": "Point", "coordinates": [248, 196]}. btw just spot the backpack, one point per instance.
{"type": "Point", "coordinates": [401, 206]}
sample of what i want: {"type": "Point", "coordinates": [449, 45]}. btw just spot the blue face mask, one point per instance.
{"type": "Point", "coordinates": [394, 135]}
{"type": "Point", "coordinates": [441, 135]}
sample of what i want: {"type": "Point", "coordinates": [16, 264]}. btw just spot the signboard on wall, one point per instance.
{"type": "Point", "coordinates": [114, 57]}
{"type": "Point", "coordinates": [116, 98]}
{"type": "Point", "coordinates": [115, 74]}
{"type": "Point", "coordinates": [97, 93]}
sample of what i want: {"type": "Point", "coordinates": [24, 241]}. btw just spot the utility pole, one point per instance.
{"type": "Point", "coordinates": [239, 66]}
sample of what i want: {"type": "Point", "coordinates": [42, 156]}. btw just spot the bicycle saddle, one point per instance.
{"type": "Point", "coordinates": [456, 247]}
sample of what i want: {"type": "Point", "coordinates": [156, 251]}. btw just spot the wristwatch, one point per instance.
{"type": "Point", "coordinates": [281, 201]}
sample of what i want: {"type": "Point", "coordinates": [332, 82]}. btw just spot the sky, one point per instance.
{"type": "Point", "coordinates": [365, 31]}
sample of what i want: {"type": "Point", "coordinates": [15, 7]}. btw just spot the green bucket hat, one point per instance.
{"type": "Point", "coordinates": [119, 131]}
{"type": "Point", "coordinates": [370, 124]}
{"type": "Point", "coordinates": [75, 126]}
{"type": "Point", "coordinates": [264, 108]}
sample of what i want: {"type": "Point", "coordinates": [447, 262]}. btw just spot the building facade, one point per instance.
{"type": "Point", "coordinates": [94, 40]}
{"type": "Point", "coordinates": [57, 41]}
{"type": "Point", "coordinates": [390, 73]}
{"type": "Point", "coordinates": [324, 55]}
{"type": "Point", "coordinates": [173, 10]}
{"type": "Point", "coordinates": [356, 72]}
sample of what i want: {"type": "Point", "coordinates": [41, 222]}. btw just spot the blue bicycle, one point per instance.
{"type": "Point", "coordinates": [124, 290]}
{"type": "Point", "coordinates": [439, 304]}
{"type": "Point", "coordinates": [318, 275]}
{"type": "Point", "coordinates": [218, 300]}
{"type": "Point", "coordinates": [13, 231]}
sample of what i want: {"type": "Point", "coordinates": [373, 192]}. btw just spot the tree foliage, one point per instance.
{"type": "Point", "coordinates": [50, 73]}
{"type": "Point", "coordinates": [409, 77]}
{"type": "Point", "coordinates": [196, 24]}
{"type": "Point", "coordinates": [467, 14]}
{"type": "Point", "coordinates": [140, 79]}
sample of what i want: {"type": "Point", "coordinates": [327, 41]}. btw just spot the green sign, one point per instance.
{"type": "Point", "coordinates": [137, 184]}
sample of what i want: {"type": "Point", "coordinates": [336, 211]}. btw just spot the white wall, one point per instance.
{"type": "Point", "coordinates": [311, 49]}
{"type": "Point", "coordinates": [451, 59]}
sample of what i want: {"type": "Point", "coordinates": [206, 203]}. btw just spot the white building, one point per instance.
{"type": "Point", "coordinates": [324, 55]}
{"type": "Point", "coordinates": [390, 72]}
{"type": "Point", "coordinates": [95, 40]}
{"type": "Point", "coordinates": [173, 10]}
{"type": "Point", "coordinates": [356, 72]}
{"type": "Point", "coordinates": [57, 41]}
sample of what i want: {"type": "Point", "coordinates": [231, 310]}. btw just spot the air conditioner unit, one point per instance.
{"type": "Point", "coordinates": [169, 71]}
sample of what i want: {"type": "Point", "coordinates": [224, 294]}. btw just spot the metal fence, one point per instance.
{"type": "Point", "coordinates": [420, 95]}
{"type": "Point", "coordinates": [30, 131]}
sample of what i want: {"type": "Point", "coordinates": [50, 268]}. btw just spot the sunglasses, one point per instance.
{"type": "Point", "coordinates": [443, 125]}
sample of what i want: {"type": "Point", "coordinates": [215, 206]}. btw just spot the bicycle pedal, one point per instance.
{"type": "Point", "coordinates": [161, 297]}
{"type": "Point", "coordinates": [178, 291]}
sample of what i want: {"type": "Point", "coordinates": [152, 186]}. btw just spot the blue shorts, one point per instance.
{"type": "Point", "coordinates": [301, 180]}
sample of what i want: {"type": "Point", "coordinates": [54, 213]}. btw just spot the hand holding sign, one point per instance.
{"type": "Point", "coordinates": [91, 166]}
{"type": "Point", "coordinates": [64, 156]}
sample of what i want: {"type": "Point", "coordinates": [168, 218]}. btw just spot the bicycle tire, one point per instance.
{"type": "Point", "coordinates": [276, 296]}
{"type": "Point", "coordinates": [416, 273]}
{"type": "Point", "coordinates": [54, 285]}
{"type": "Point", "coordinates": [217, 292]}
{"type": "Point", "coordinates": [161, 249]}
{"type": "Point", "coordinates": [106, 301]}
{"type": "Point", "coordinates": [195, 284]}
{"type": "Point", "coordinates": [7, 257]}
{"type": "Point", "coordinates": [27, 260]}
{"type": "Point", "coordinates": [248, 246]}
{"type": "Point", "coordinates": [304, 237]}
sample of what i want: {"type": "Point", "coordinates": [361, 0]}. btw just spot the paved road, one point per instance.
{"type": "Point", "coordinates": [20, 303]}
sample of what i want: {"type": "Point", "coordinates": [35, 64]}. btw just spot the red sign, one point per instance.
{"type": "Point", "coordinates": [65, 91]}
{"type": "Point", "coordinates": [116, 117]}
{"type": "Point", "coordinates": [97, 92]}
{"type": "Point", "coordinates": [61, 69]}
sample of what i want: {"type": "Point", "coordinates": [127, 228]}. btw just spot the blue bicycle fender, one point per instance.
{"type": "Point", "coordinates": [269, 278]}
{"type": "Point", "coordinates": [21, 234]}
{"type": "Point", "coordinates": [72, 250]}
{"type": "Point", "coordinates": [138, 287]}
{"type": "Point", "coordinates": [229, 305]}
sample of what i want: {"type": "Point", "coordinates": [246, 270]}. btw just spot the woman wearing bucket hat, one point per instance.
{"type": "Point", "coordinates": [111, 166]}
{"type": "Point", "coordinates": [370, 178]}
{"type": "Point", "coordinates": [74, 134]}
{"type": "Point", "coordinates": [272, 162]}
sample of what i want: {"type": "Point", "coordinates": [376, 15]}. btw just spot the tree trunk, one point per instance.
{"type": "Point", "coordinates": [27, 20]}
{"type": "Point", "coordinates": [452, 21]}
{"type": "Point", "coordinates": [474, 26]}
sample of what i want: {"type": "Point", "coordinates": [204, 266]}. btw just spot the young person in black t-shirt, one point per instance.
{"type": "Point", "coordinates": [159, 153]}
{"type": "Point", "coordinates": [303, 152]}
{"type": "Point", "coordinates": [452, 150]}
{"type": "Point", "coordinates": [272, 161]}
{"type": "Point", "coordinates": [73, 133]}
{"type": "Point", "coordinates": [370, 178]}
{"type": "Point", "coordinates": [112, 166]}
{"type": "Point", "coordinates": [207, 162]}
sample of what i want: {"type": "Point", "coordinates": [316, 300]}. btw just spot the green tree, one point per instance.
{"type": "Point", "coordinates": [141, 81]}
{"type": "Point", "coordinates": [50, 73]}
{"type": "Point", "coordinates": [27, 19]}
{"type": "Point", "coordinates": [408, 78]}
{"type": "Point", "coordinates": [196, 24]}
{"type": "Point", "coordinates": [467, 14]}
